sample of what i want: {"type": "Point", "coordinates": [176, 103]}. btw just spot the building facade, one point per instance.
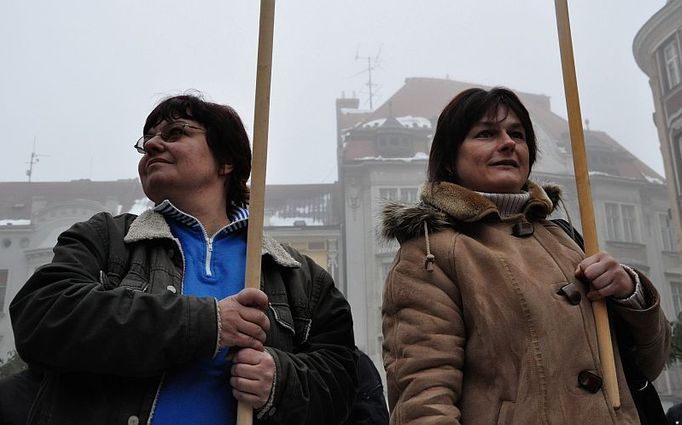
{"type": "Point", "coordinates": [32, 215]}
{"type": "Point", "coordinates": [656, 48]}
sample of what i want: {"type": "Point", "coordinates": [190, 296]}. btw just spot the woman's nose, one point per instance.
{"type": "Point", "coordinates": [155, 144]}
{"type": "Point", "coordinates": [506, 141]}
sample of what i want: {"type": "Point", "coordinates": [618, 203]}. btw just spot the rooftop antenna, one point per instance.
{"type": "Point", "coordinates": [370, 66]}
{"type": "Point", "coordinates": [34, 160]}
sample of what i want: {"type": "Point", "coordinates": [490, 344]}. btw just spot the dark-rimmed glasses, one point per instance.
{"type": "Point", "coordinates": [169, 134]}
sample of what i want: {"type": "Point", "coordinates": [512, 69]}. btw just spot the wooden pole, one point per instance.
{"type": "Point", "coordinates": [254, 238]}
{"type": "Point", "coordinates": [575, 124]}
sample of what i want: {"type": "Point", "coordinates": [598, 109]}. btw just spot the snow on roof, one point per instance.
{"type": "Point", "coordinates": [600, 173]}
{"type": "Point", "coordinates": [417, 156]}
{"type": "Point", "coordinates": [140, 206]}
{"type": "Point", "coordinates": [374, 123]}
{"type": "Point", "coordinates": [418, 122]}
{"type": "Point", "coordinates": [407, 121]}
{"type": "Point", "coordinates": [653, 179]}
{"type": "Point", "coordinates": [15, 222]}
{"type": "Point", "coordinates": [276, 220]}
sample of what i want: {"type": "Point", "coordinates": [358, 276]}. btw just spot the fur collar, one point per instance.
{"type": "Point", "coordinates": [446, 204]}
{"type": "Point", "coordinates": [152, 225]}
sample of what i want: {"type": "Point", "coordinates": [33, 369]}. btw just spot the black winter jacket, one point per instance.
{"type": "Point", "coordinates": [102, 323]}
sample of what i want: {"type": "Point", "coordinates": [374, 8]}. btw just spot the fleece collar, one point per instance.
{"type": "Point", "coordinates": [446, 204]}
{"type": "Point", "coordinates": [152, 225]}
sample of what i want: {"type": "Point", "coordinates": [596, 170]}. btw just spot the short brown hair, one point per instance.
{"type": "Point", "coordinates": [225, 135]}
{"type": "Point", "coordinates": [457, 119]}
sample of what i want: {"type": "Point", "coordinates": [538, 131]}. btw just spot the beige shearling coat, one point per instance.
{"type": "Point", "coordinates": [485, 338]}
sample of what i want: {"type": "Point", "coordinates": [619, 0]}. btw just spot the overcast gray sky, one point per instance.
{"type": "Point", "coordinates": [79, 77]}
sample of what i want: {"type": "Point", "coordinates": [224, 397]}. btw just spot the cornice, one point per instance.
{"type": "Point", "coordinates": [654, 32]}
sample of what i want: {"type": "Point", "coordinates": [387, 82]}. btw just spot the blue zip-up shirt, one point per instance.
{"type": "Point", "coordinates": [200, 393]}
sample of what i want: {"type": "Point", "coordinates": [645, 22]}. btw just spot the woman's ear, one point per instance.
{"type": "Point", "coordinates": [225, 169]}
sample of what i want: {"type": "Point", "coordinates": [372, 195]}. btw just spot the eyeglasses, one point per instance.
{"type": "Point", "coordinates": [169, 134]}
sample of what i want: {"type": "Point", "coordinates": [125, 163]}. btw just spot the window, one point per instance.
{"type": "Point", "coordinates": [384, 270]}
{"type": "Point", "coordinates": [388, 194]}
{"type": "Point", "coordinates": [408, 194]}
{"type": "Point", "coordinates": [621, 222]}
{"type": "Point", "coordinates": [667, 233]}
{"type": "Point", "coordinates": [317, 245]}
{"type": "Point", "coordinates": [676, 289]}
{"type": "Point", "coordinates": [3, 289]}
{"type": "Point", "coordinates": [613, 222]}
{"type": "Point", "coordinates": [628, 222]}
{"type": "Point", "coordinates": [405, 194]}
{"type": "Point", "coordinates": [672, 64]}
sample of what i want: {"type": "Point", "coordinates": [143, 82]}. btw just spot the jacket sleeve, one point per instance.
{"type": "Point", "coordinates": [370, 406]}
{"type": "Point", "coordinates": [316, 383]}
{"type": "Point", "coordinates": [649, 330]}
{"type": "Point", "coordinates": [65, 319]}
{"type": "Point", "coordinates": [424, 339]}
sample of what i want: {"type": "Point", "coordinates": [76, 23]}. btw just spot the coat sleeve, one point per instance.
{"type": "Point", "coordinates": [649, 330]}
{"type": "Point", "coordinates": [65, 319]}
{"type": "Point", "coordinates": [424, 339]}
{"type": "Point", "coordinates": [316, 382]}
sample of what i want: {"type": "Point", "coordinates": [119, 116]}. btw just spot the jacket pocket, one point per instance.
{"type": "Point", "coordinates": [113, 280]}
{"type": "Point", "coordinates": [134, 282]}
{"type": "Point", "coordinates": [283, 317]}
{"type": "Point", "coordinates": [296, 325]}
{"type": "Point", "coordinates": [109, 280]}
{"type": "Point", "coordinates": [506, 413]}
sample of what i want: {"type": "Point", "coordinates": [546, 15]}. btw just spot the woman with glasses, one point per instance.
{"type": "Point", "coordinates": [145, 319]}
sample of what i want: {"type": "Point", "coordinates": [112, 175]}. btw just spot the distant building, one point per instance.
{"type": "Point", "coordinates": [308, 217]}
{"type": "Point", "coordinates": [656, 48]}
{"type": "Point", "coordinates": [32, 215]}
{"type": "Point", "coordinates": [384, 157]}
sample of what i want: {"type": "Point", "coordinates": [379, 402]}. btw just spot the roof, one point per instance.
{"type": "Point", "coordinates": [424, 98]}
{"type": "Point", "coordinates": [315, 204]}
{"type": "Point", "coordinates": [17, 198]}
{"type": "Point", "coordinates": [312, 204]}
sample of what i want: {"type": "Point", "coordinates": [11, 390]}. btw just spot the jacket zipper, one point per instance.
{"type": "Point", "coordinates": [209, 253]}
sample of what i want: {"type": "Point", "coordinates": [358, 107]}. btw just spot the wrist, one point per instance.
{"type": "Point", "coordinates": [636, 298]}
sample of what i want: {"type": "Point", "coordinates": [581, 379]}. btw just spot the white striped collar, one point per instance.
{"type": "Point", "coordinates": [238, 219]}
{"type": "Point", "coordinates": [152, 225]}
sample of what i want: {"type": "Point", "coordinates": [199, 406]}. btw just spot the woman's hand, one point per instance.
{"type": "Point", "coordinates": [253, 373]}
{"type": "Point", "coordinates": [243, 322]}
{"type": "Point", "coordinates": [607, 277]}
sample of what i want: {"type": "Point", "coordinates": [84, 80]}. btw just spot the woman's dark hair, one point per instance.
{"type": "Point", "coordinates": [457, 119]}
{"type": "Point", "coordinates": [225, 135]}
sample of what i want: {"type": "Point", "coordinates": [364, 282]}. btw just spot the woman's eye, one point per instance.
{"type": "Point", "coordinates": [485, 134]}
{"type": "Point", "coordinates": [517, 135]}
{"type": "Point", "coordinates": [174, 133]}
